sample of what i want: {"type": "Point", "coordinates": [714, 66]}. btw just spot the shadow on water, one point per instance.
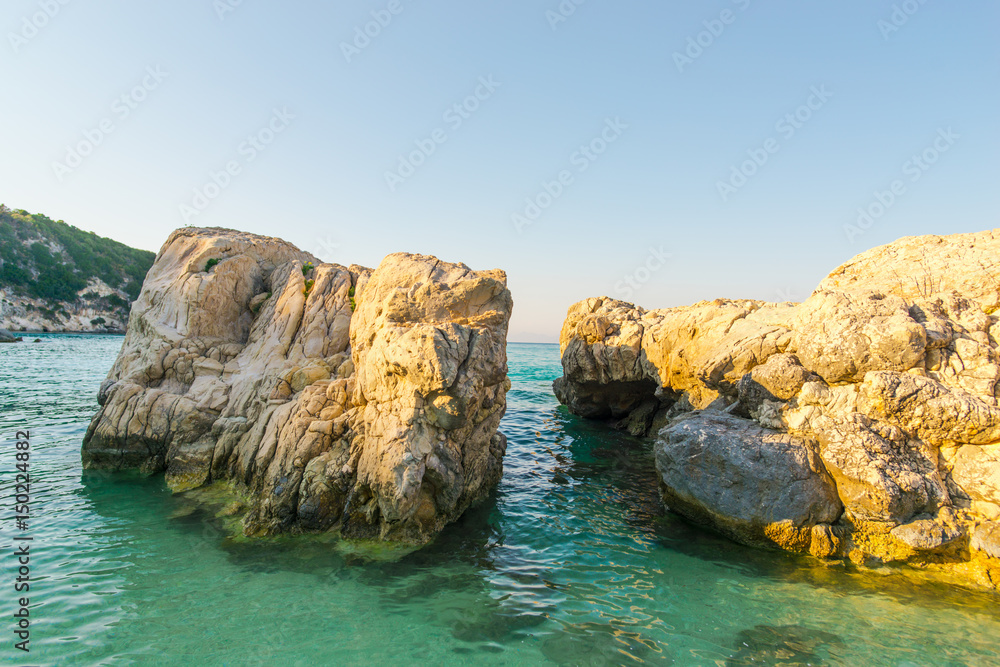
{"type": "Point", "coordinates": [450, 579]}
{"type": "Point", "coordinates": [606, 455]}
{"type": "Point", "coordinates": [790, 645]}
{"type": "Point", "coordinates": [602, 644]}
{"type": "Point", "coordinates": [457, 570]}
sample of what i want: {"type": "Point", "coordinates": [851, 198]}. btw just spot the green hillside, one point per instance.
{"type": "Point", "coordinates": [50, 260]}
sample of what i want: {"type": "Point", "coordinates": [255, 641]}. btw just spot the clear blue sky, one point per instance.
{"type": "Point", "coordinates": [678, 129]}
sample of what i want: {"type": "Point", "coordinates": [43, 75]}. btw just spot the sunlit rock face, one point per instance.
{"type": "Point", "coordinates": [333, 398]}
{"type": "Point", "coordinates": [882, 387]}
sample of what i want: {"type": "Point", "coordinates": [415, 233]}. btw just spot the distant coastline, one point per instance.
{"type": "Point", "coordinates": [32, 332]}
{"type": "Point", "coordinates": [57, 278]}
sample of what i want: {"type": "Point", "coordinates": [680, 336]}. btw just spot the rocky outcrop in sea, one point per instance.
{"type": "Point", "coordinates": [328, 397]}
{"type": "Point", "coordinates": [8, 337]}
{"type": "Point", "coordinates": [862, 424]}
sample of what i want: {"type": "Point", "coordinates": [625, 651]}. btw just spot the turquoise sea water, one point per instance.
{"type": "Point", "coordinates": [572, 561]}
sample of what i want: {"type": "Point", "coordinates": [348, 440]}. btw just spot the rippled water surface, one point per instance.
{"type": "Point", "coordinates": [572, 561]}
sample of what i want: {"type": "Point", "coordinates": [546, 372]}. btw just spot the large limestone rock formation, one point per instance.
{"type": "Point", "coordinates": [863, 423]}
{"type": "Point", "coordinates": [334, 398]}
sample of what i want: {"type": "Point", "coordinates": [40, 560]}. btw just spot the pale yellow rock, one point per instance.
{"type": "Point", "coordinates": [918, 267]}
{"type": "Point", "coordinates": [892, 366]}
{"type": "Point", "coordinates": [314, 409]}
{"type": "Point", "coordinates": [303, 377]}
{"type": "Point", "coordinates": [207, 366]}
{"type": "Point", "coordinates": [429, 333]}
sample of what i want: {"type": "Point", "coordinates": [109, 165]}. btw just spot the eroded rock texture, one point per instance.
{"type": "Point", "coordinates": [863, 423]}
{"type": "Point", "coordinates": [335, 398]}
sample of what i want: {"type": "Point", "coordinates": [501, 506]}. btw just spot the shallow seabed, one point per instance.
{"type": "Point", "coordinates": [572, 561]}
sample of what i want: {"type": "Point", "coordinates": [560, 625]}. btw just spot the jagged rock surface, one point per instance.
{"type": "Point", "coordinates": [335, 398]}
{"type": "Point", "coordinates": [887, 376]}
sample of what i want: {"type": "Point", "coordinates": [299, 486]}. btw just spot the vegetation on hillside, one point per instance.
{"type": "Point", "coordinates": [51, 260]}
